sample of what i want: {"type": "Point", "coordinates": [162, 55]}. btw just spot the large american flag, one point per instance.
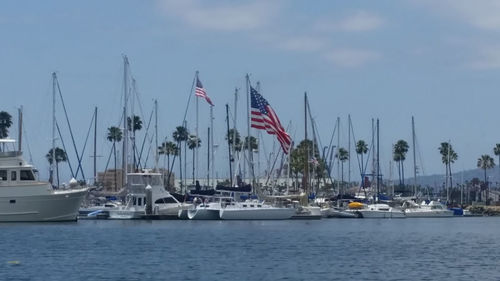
{"type": "Point", "coordinates": [200, 92]}
{"type": "Point", "coordinates": [264, 118]}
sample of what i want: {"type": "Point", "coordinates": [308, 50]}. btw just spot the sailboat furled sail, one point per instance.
{"type": "Point", "coordinates": [263, 117]}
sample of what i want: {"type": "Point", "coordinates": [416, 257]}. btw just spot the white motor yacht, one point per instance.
{"type": "Point", "coordinates": [379, 210]}
{"type": "Point", "coordinates": [24, 198]}
{"type": "Point", "coordinates": [254, 210]}
{"type": "Point", "coordinates": [164, 204]}
{"type": "Point", "coordinates": [423, 210]}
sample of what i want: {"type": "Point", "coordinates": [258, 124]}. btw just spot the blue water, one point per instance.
{"type": "Point", "coordinates": [332, 249]}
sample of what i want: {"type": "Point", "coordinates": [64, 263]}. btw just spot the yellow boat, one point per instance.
{"type": "Point", "coordinates": [355, 205]}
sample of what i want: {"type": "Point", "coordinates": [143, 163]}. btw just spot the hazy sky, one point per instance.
{"type": "Point", "coordinates": [436, 60]}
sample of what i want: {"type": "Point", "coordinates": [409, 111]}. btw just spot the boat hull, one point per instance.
{"type": "Point", "coordinates": [256, 214]}
{"type": "Point", "coordinates": [369, 214]}
{"type": "Point", "coordinates": [55, 206]}
{"type": "Point", "coordinates": [429, 214]}
{"type": "Point", "coordinates": [203, 214]}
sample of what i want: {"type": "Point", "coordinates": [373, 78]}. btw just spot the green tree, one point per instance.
{"type": "Point", "coordinates": [250, 143]}
{"type": "Point", "coordinates": [448, 156]}
{"type": "Point", "coordinates": [302, 153]}
{"type": "Point", "coordinates": [136, 126]}
{"type": "Point", "coordinates": [5, 123]}
{"type": "Point", "coordinates": [193, 142]}
{"type": "Point", "coordinates": [114, 136]}
{"type": "Point", "coordinates": [234, 134]}
{"type": "Point", "coordinates": [180, 135]}
{"type": "Point", "coordinates": [496, 150]}
{"type": "Point", "coordinates": [399, 151]}
{"type": "Point", "coordinates": [361, 149]}
{"type": "Point", "coordinates": [168, 148]}
{"type": "Point", "coordinates": [342, 155]}
{"type": "Point", "coordinates": [486, 162]}
{"type": "Point", "coordinates": [60, 156]}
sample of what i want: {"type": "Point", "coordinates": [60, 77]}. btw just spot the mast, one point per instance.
{"type": "Point", "coordinates": [95, 144]}
{"type": "Point", "coordinates": [373, 154]}
{"type": "Point", "coordinates": [208, 157]}
{"type": "Point", "coordinates": [378, 159]}
{"type": "Point", "coordinates": [156, 136]}
{"type": "Point", "coordinates": [349, 126]}
{"type": "Point", "coordinates": [250, 154]}
{"type": "Point", "coordinates": [229, 147]}
{"type": "Point", "coordinates": [54, 81]}
{"type": "Point", "coordinates": [233, 150]}
{"type": "Point", "coordinates": [306, 160]}
{"type": "Point", "coordinates": [414, 157]}
{"type": "Point", "coordinates": [195, 164]}
{"type": "Point", "coordinates": [338, 158]}
{"type": "Point", "coordinates": [20, 126]}
{"type": "Point", "coordinates": [211, 148]}
{"type": "Point", "coordinates": [125, 129]}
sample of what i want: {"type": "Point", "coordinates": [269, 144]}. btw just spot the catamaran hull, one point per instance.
{"type": "Point", "coordinates": [257, 214]}
{"type": "Point", "coordinates": [55, 206]}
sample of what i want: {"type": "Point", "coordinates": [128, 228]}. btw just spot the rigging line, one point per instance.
{"type": "Point", "coordinates": [27, 142]}
{"type": "Point", "coordinates": [107, 164]}
{"type": "Point", "coordinates": [145, 136]}
{"type": "Point", "coordinates": [70, 130]}
{"type": "Point", "coordinates": [85, 145]}
{"type": "Point", "coordinates": [64, 147]}
{"type": "Point", "coordinates": [330, 150]}
{"type": "Point", "coordinates": [151, 139]}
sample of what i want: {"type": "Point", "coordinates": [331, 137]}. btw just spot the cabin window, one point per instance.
{"type": "Point", "coordinates": [3, 175]}
{"type": "Point", "coordinates": [134, 201]}
{"type": "Point", "coordinates": [252, 206]}
{"type": "Point", "coordinates": [13, 175]}
{"type": "Point", "coordinates": [260, 206]}
{"type": "Point", "coordinates": [26, 175]}
{"type": "Point", "coordinates": [245, 206]}
{"type": "Point", "coordinates": [139, 201]}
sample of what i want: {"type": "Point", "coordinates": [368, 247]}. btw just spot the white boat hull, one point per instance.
{"type": "Point", "coordinates": [54, 206]}
{"type": "Point", "coordinates": [203, 214]}
{"type": "Point", "coordinates": [368, 214]}
{"type": "Point", "coordinates": [428, 214]}
{"type": "Point", "coordinates": [256, 214]}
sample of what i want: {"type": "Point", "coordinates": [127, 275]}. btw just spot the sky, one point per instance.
{"type": "Point", "coordinates": [438, 61]}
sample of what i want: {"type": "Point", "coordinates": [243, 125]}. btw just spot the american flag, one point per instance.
{"type": "Point", "coordinates": [200, 92]}
{"type": "Point", "coordinates": [264, 118]}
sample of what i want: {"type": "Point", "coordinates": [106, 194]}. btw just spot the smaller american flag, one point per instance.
{"type": "Point", "coordinates": [263, 117]}
{"type": "Point", "coordinates": [200, 92]}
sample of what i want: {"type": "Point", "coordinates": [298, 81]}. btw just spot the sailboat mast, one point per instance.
{"type": "Point", "coordinates": [156, 136]}
{"type": "Point", "coordinates": [306, 158]}
{"type": "Point", "coordinates": [233, 150]}
{"type": "Point", "coordinates": [378, 159]}
{"type": "Point", "coordinates": [349, 126]}
{"type": "Point", "coordinates": [414, 157]}
{"type": "Point", "coordinates": [341, 192]}
{"type": "Point", "coordinates": [20, 126]}
{"type": "Point", "coordinates": [211, 148]}
{"type": "Point", "coordinates": [195, 164]}
{"type": "Point", "coordinates": [125, 130]}
{"type": "Point", "coordinates": [54, 81]}
{"type": "Point", "coordinates": [95, 144]}
{"type": "Point", "coordinates": [229, 147]}
{"type": "Point", "coordinates": [208, 157]}
{"type": "Point", "coordinates": [250, 154]}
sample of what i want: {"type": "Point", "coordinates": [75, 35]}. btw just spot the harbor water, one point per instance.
{"type": "Point", "coordinates": [328, 249]}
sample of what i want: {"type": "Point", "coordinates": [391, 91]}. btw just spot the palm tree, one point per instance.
{"type": "Point", "coordinates": [486, 162]}
{"type": "Point", "coordinates": [234, 134]}
{"type": "Point", "coordinates": [5, 123]}
{"type": "Point", "coordinates": [250, 143]}
{"type": "Point", "coordinates": [114, 136]}
{"type": "Point", "coordinates": [342, 155]}
{"type": "Point", "coordinates": [180, 135]}
{"type": "Point", "coordinates": [60, 156]}
{"type": "Point", "coordinates": [496, 150]}
{"type": "Point", "coordinates": [399, 155]}
{"type": "Point", "coordinates": [361, 149]}
{"type": "Point", "coordinates": [448, 156]}
{"type": "Point", "coordinates": [193, 142]}
{"type": "Point", "coordinates": [136, 126]}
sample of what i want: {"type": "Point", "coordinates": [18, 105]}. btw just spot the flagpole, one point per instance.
{"type": "Point", "coordinates": [195, 164]}
{"type": "Point", "coordinates": [211, 148]}
{"type": "Point", "coordinates": [248, 132]}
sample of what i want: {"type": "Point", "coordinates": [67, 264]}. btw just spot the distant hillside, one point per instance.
{"type": "Point", "coordinates": [438, 180]}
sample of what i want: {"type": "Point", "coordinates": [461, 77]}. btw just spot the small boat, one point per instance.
{"type": "Point", "coordinates": [433, 209]}
{"type": "Point", "coordinates": [307, 213]}
{"type": "Point", "coordinates": [334, 212]}
{"type": "Point", "coordinates": [379, 210]}
{"type": "Point", "coordinates": [205, 211]}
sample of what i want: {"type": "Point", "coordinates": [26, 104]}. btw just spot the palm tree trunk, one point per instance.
{"type": "Point", "coordinates": [342, 168]}
{"type": "Point", "coordinates": [403, 171]}
{"type": "Point", "coordinates": [451, 177]}
{"type": "Point", "coordinates": [399, 172]}
{"type": "Point", "coordinates": [486, 185]}
{"type": "Point", "coordinates": [180, 164]}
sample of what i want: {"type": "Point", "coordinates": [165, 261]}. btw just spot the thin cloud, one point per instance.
{"type": "Point", "coordinates": [351, 58]}
{"type": "Point", "coordinates": [360, 21]}
{"type": "Point", "coordinates": [228, 17]}
{"type": "Point", "coordinates": [480, 14]}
